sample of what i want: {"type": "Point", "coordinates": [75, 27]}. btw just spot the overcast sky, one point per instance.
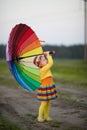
{"type": "Point", "coordinates": [55, 21]}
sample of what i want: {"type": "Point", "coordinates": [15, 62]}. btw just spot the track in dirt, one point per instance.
{"type": "Point", "coordinates": [69, 111]}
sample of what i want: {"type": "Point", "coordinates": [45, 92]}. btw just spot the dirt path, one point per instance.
{"type": "Point", "coordinates": [69, 111]}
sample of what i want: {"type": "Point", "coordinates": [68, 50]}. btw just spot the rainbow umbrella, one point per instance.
{"type": "Point", "coordinates": [23, 46]}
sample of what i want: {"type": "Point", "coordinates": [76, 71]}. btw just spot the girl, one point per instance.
{"type": "Point", "coordinates": [47, 90]}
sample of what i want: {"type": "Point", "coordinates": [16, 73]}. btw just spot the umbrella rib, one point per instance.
{"type": "Point", "coordinates": [19, 58]}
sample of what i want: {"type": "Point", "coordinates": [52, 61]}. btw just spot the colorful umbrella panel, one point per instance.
{"type": "Point", "coordinates": [23, 46]}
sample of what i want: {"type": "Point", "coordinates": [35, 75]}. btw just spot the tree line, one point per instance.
{"type": "Point", "coordinates": [62, 52]}
{"type": "Point", "coordinates": [67, 52]}
{"type": "Point", "coordinates": [2, 51]}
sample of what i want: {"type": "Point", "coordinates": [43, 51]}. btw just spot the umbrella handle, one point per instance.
{"type": "Point", "coordinates": [52, 52]}
{"type": "Point", "coordinates": [49, 52]}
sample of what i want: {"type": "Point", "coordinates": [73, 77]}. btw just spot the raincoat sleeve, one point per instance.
{"type": "Point", "coordinates": [49, 64]}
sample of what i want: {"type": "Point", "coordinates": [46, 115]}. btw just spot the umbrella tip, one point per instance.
{"type": "Point", "coordinates": [41, 40]}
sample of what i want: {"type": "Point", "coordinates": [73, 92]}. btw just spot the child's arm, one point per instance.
{"type": "Point", "coordinates": [49, 64]}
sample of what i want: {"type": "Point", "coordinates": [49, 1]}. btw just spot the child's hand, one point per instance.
{"type": "Point", "coordinates": [51, 52]}
{"type": "Point", "coordinates": [46, 53]}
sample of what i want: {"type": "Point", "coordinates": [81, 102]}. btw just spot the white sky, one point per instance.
{"type": "Point", "coordinates": [55, 21]}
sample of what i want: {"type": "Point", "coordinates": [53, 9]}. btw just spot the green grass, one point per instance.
{"type": "Point", "coordinates": [6, 125]}
{"type": "Point", "coordinates": [55, 124]}
{"type": "Point", "coordinates": [66, 72]}
{"type": "Point", "coordinates": [68, 97]}
{"type": "Point", "coordinates": [75, 128]}
{"type": "Point", "coordinates": [6, 78]}
{"type": "Point", "coordinates": [70, 72]}
{"type": "Point", "coordinates": [33, 117]}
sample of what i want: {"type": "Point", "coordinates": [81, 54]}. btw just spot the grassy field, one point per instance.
{"type": "Point", "coordinates": [66, 72]}
{"type": "Point", "coordinates": [71, 72]}
{"type": "Point", "coordinates": [6, 77]}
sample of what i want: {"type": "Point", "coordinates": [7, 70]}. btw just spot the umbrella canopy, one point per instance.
{"type": "Point", "coordinates": [23, 46]}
